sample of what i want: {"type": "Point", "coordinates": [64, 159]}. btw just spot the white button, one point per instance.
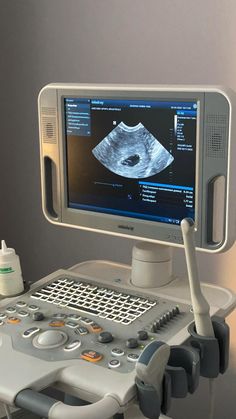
{"type": "Point", "coordinates": [117, 352]}
{"type": "Point", "coordinates": [114, 363]}
{"type": "Point", "coordinates": [29, 332]}
{"type": "Point", "coordinates": [73, 345]}
{"type": "Point", "coordinates": [132, 357]}
{"type": "Point", "coordinates": [10, 309]}
{"type": "Point", "coordinates": [73, 325]}
{"type": "Point", "coordinates": [20, 304]}
{"type": "Point", "coordinates": [33, 307]}
{"type": "Point", "coordinates": [23, 313]}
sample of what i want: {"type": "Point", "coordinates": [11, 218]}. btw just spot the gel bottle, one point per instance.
{"type": "Point", "coordinates": [11, 281]}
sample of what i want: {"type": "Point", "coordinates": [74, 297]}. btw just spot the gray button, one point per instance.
{"type": "Point", "coordinates": [81, 330]}
{"type": "Point", "coordinates": [3, 315]}
{"type": "Point", "coordinates": [72, 345]}
{"type": "Point", "coordinates": [1, 322]}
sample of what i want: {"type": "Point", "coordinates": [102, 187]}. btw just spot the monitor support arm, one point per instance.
{"type": "Point", "coordinates": [151, 265]}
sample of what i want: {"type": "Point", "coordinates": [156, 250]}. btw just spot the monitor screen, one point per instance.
{"type": "Point", "coordinates": [133, 161]}
{"type": "Point", "coordinates": [133, 158]}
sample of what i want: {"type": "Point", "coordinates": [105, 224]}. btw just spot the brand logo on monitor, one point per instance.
{"type": "Point", "coordinates": [125, 227]}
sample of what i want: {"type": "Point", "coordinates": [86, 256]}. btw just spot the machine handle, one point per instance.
{"type": "Point", "coordinates": [50, 188]}
{"type": "Point", "coordinates": [50, 408]}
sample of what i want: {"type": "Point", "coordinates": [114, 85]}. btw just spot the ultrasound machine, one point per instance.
{"type": "Point", "coordinates": [149, 163]}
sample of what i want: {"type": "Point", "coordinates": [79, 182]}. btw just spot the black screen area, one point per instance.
{"type": "Point", "coordinates": [132, 158]}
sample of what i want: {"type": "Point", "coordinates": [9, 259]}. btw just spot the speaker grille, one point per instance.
{"type": "Point", "coordinates": [216, 119]}
{"type": "Point", "coordinates": [49, 125]}
{"type": "Point", "coordinates": [48, 111]}
{"type": "Point", "coordinates": [216, 135]}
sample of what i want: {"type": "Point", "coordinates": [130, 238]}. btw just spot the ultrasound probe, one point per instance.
{"type": "Point", "coordinates": [201, 308]}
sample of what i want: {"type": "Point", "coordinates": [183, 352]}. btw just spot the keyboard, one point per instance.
{"type": "Point", "coordinates": [91, 299]}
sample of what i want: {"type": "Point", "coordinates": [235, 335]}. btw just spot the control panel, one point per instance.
{"type": "Point", "coordinates": [74, 318]}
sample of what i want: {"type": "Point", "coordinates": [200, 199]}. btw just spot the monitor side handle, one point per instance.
{"type": "Point", "coordinates": [49, 154]}
{"type": "Point", "coordinates": [50, 189]}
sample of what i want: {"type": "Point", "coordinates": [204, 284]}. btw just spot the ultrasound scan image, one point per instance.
{"type": "Point", "coordinates": [132, 152]}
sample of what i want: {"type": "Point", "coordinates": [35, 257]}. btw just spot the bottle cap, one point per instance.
{"type": "Point", "coordinates": [6, 253]}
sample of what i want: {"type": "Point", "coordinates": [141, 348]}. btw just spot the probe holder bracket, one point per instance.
{"type": "Point", "coordinates": [180, 378]}
{"type": "Point", "coordinates": [184, 370]}
{"type": "Point", "coordinates": [150, 402]}
{"type": "Point", "coordinates": [213, 351]}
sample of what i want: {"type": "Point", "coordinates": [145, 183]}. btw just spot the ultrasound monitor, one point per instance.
{"type": "Point", "coordinates": [134, 161]}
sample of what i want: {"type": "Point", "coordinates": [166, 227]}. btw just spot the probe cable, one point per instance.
{"type": "Point", "coordinates": [7, 410]}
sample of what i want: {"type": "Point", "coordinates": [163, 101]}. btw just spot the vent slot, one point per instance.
{"type": "Point", "coordinates": [216, 136]}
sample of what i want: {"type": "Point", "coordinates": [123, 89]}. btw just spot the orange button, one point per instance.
{"type": "Point", "coordinates": [91, 356]}
{"type": "Point", "coordinates": [13, 320]}
{"type": "Point", "coordinates": [56, 323]}
{"type": "Point", "coordinates": [95, 327]}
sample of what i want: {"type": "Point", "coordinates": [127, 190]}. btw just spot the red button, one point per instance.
{"type": "Point", "coordinates": [91, 356]}
{"type": "Point", "coordinates": [13, 320]}
{"type": "Point", "coordinates": [57, 323]}
{"type": "Point", "coordinates": [95, 328]}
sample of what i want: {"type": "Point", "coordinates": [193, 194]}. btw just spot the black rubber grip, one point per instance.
{"type": "Point", "coordinates": [35, 402]}
{"type": "Point", "coordinates": [48, 182]}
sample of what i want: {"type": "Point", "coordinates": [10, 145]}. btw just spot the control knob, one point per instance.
{"type": "Point", "coordinates": [38, 316]}
{"type": "Point", "coordinates": [142, 335]}
{"type": "Point", "coordinates": [132, 343]}
{"type": "Point", "coordinates": [105, 337]}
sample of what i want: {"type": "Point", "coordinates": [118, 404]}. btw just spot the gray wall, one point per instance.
{"type": "Point", "coordinates": [126, 41]}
